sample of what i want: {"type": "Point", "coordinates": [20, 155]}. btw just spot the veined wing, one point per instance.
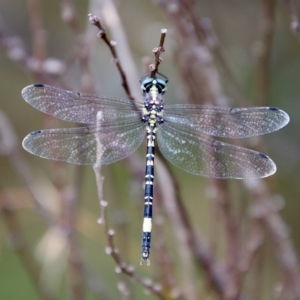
{"type": "Point", "coordinates": [77, 107]}
{"type": "Point", "coordinates": [201, 155]}
{"type": "Point", "coordinates": [87, 145]}
{"type": "Point", "coordinates": [224, 121]}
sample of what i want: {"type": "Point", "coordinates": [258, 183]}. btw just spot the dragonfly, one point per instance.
{"type": "Point", "coordinates": [114, 128]}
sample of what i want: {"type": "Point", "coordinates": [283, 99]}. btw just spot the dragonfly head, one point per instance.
{"type": "Point", "coordinates": [148, 83]}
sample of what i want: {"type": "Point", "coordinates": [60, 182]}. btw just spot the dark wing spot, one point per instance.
{"type": "Point", "coordinates": [38, 85]}
{"type": "Point", "coordinates": [273, 108]}
{"type": "Point", "coordinates": [36, 132]}
{"type": "Point", "coordinates": [263, 156]}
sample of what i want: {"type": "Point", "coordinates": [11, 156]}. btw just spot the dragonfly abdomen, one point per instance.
{"type": "Point", "coordinates": [148, 198]}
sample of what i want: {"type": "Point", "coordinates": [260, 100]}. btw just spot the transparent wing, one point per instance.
{"type": "Point", "coordinates": [77, 107]}
{"type": "Point", "coordinates": [87, 145]}
{"type": "Point", "coordinates": [201, 155]}
{"type": "Point", "coordinates": [225, 122]}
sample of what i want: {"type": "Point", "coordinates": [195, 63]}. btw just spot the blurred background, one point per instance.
{"type": "Point", "coordinates": [212, 239]}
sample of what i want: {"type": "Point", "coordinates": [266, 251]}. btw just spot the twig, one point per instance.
{"type": "Point", "coordinates": [111, 250]}
{"type": "Point", "coordinates": [112, 46]}
{"type": "Point", "coordinates": [295, 27]}
{"type": "Point", "coordinates": [157, 52]}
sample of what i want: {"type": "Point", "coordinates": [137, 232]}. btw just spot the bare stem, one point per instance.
{"type": "Point", "coordinates": [157, 52]}
{"type": "Point", "coordinates": [112, 47]}
{"type": "Point", "coordinates": [111, 250]}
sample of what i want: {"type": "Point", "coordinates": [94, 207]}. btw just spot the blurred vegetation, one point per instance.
{"type": "Point", "coordinates": [49, 267]}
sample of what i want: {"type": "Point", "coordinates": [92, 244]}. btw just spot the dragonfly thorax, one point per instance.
{"type": "Point", "coordinates": [153, 89]}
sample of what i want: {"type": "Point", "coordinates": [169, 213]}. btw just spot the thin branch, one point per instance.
{"type": "Point", "coordinates": [111, 250]}
{"type": "Point", "coordinates": [112, 46]}
{"type": "Point", "coordinates": [157, 52]}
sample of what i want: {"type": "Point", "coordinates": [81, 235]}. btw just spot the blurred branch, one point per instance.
{"type": "Point", "coordinates": [83, 45]}
{"type": "Point", "coordinates": [264, 50]}
{"type": "Point", "coordinates": [68, 15]}
{"type": "Point", "coordinates": [165, 265]}
{"type": "Point", "coordinates": [295, 27]}
{"type": "Point", "coordinates": [68, 221]}
{"type": "Point", "coordinates": [38, 34]}
{"type": "Point", "coordinates": [202, 76]}
{"type": "Point", "coordinates": [233, 240]}
{"type": "Point", "coordinates": [253, 243]}
{"type": "Point", "coordinates": [14, 47]}
{"type": "Point", "coordinates": [19, 244]}
{"type": "Point", "coordinates": [41, 67]}
{"type": "Point", "coordinates": [9, 147]}
{"type": "Point", "coordinates": [185, 234]}
{"type": "Point", "coordinates": [213, 42]}
{"type": "Point", "coordinates": [267, 212]}
{"type": "Point", "coordinates": [195, 60]}
{"type": "Point", "coordinates": [202, 81]}
{"type": "Point", "coordinates": [207, 36]}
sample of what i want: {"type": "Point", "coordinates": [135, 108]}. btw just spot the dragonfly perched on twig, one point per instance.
{"type": "Point", "coordinates": [182, 132]}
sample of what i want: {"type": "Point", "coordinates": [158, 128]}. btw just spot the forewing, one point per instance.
{"type": "Point", "coordinates": [77, 107]}
{"type": "Point", "coordinates": [201, 155]}
{"type": "Point", "coordinates": [86, 145]}
{"type": "Point", "coordinates": [225, 122]}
